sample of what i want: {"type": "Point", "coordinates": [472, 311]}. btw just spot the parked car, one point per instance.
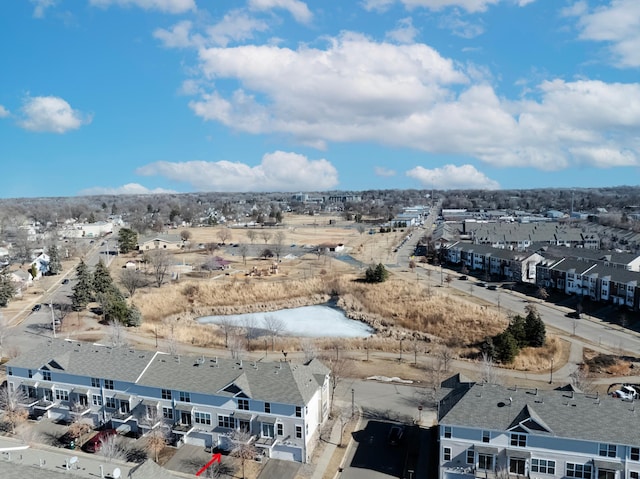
{"type": "Point", "coordinates": [626, 393]}
{"type": "Point", "coordinates": [395, 435]}
{"type": "Point", "coordinates": [574, 315]}
{"type": "Point", "coordinates": [492, 287]}
{"type": "Point", "coordinates": [37, 307]}
{"type": "Point", "coordinates": [481, 285]}
{"type": "Point", "coordinates": [463, 278]}
{"type": "Point", "coordinates": [65, 281]}
{"type": "Point", "coordinates": [95, 443]}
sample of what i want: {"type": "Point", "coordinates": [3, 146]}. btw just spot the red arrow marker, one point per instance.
{"type": "Point", "coordinates": [217, 457]}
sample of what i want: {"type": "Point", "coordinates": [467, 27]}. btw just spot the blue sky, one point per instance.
{"type": "Point", "coordinates": [142, 96]}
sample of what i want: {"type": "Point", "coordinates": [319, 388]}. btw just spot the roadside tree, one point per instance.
{"type": "Point", "coordinates": [160, 260]}
{"type": "Point", "coordinates": [83, 287]}
{"type": "Point", "coordinates": [127, 240]}
{"type": "Point", "coordinates": [55, 266]}
{"type": "Point", "coordinates": [132, 280]}
{"type": "Point", "coordinates": [7, 288]}
{"type": "Point", "coordinates": [11, 404]}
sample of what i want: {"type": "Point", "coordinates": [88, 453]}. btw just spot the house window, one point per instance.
{"type": "Point", "coordinates": [46, 375]}
{"type": "Point", "coordinates": [30, 373]}
{"type": "Point", "coordinates": [446, 453]}
{"type": "Point", "coordinates": [267, 430]}
{"type": "Point", "coordinates": [606, 474]}
{"type": "Point", "coordinates": [519, 440]}
{"type": "Point", "coordinates": [95, 382]}
{"type": "Point", "coordinates": [581, 471]}
{"type": "Point", "coordinates": [267, 407]}
{"type": "Point", "coordinates": [166, 394]}
{"type": "Point", "coordinates": [96, 400]}
{"type": "Point", "coordinates": [108, 383]}
{"type": "Point", "coordinates": [226, 421]}
{"type": "Point", "coordinates": [152, 411]}
{"type": "Point", "coordinates": [634, 454]}
{"type": "Point", "coordinates": [447, 431]}
{"type": "Point", "coordinates": [486, 436]}
{"type": "Point", "coordinates": [124, 407]}
{"type": "Point", "coordinates": [202, 418]}
{"type": "Point", "coordinates": [299, 432]}
{"type": "Point", "coordinates": [185, 397]}
{"type": "Point", "coordinates": [485, 461]}
{"type": "Point", "coordinates": [243, 404]}
{"type": "Point", "coordinates": [280, 429]}
{"type": "Point", "coordinates": [62, 395]}
{"type": "Point", "coordinates": [167, 413]}
{"type": "Point", "coordinates": [543, 466]}
{"type": "Point", "coordinates": [634, 475]}
{"type": "Point", "coordinates": [110, 403]}
{"type": "Point", "coordinates": [10, 371]}
{"type": "Point", "coordinates": [298, 411]}
{"type": "Point", "coordinates": [516, 465]}
{"type": "Point", "coordinates": [471, 457]}
{"type": "Point", "coordinates": [607, 450]}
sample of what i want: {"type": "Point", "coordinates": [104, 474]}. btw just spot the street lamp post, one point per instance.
{"type": "Point", "coordinates": [551, 372]}
{"type": "Point", "coordinates": [402, 339]}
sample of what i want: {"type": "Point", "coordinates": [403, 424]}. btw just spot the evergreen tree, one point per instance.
{"type": "Point", "coordinates": [102, 281]}
{"type": "Point", "coordinates": [517, 330]}
{"type": "Point", "coordinates": [534, 327]}
{"type": "Point", "coordinates": [127, 240]}
{"type": "Point", "coordinates": [82, 289]}
{"type": "Point", "coordinates": [506, 347]}
{"type": "Point", "coordinates": [134, 318]}
{"type": "Point", "coordinates": [55, 266]}
{"type": "Point", "coordinates": [376, 274]}
{"type": "Point", "coordinates": [7, 288]}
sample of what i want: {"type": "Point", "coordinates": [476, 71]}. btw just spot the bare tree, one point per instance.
{"type": "Point", "coordinates": [5, 331]}
{"type": "Point", "coordinates": [278, 243]}
{"type": "Point", "coordinates": [309, 349]}
{"type": "Point", "coordinates": [185, 235]}
{"type": "Point", "coordinates": [265, 235]}
{"type": "Point", "coordinates": [236, 346]}
{"type": "Point", "coordinates": [445, 357]}
{"type": "Point", "coordinates": [12, 400]}
{"type": "Point", "coordinates": [157, 437]}
{"type": "Point", "coordinates": [252, 234]}
{"type": "Point", "coordinates": [243, 249]}
{"type": "Point", "coordinates": [243, 448]}
{"type": "Point", "coordinates": [251, 329]}
{"type": "Point", "coordinates": [228, 326]}
{"type": "Point", "coordinates": [117, 334]}
{"type": "Point", "coordinates": [160, 260]}
{"type": "Point", "coordinates": [112, 448]}
{"type": "Point", "coordinates": [274, 326]}
{"type": "Point", "coordinates": [360, 228]}
{"type": "Point", "coordinates": [224, 234]}
{"type": "Point", "coordinates": [489, 370]}
{"type": "Point", "coordinates": [132, 280]}
{"type": "Point", "coordinates": [543, 294]}
{"type": "Point", "coordinates": [582, 379]}
{"type": "Point", "coordinates": [340, 368]}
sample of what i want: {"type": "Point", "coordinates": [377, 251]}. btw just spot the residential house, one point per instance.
{"type": "Point", "coordinates": [207, 401]}
{"type": "Point", "coordinates": [163, 241]}
{"type": "Point", "coordinates": [491, 431]}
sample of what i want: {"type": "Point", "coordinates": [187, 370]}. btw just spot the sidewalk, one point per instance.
{"type": "Point", "coordinates": [327, 453]}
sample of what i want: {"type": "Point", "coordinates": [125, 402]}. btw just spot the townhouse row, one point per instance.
{"type": "Point", "coordinates": [279, 407]}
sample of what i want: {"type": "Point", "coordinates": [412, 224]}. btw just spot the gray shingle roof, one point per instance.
{"type": "Point", "coordinates": [280, 382]}
{"type": "Point", "coordinates": [565, 414]}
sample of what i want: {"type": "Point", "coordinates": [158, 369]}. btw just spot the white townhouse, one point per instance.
{"type": "Point", "coordinates": [208, 401]}
{"type": "Point", "coordinates": [491, 431]}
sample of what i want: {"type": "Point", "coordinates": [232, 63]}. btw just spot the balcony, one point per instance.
{"type": "Point", "coordinates": [182, 428]}
{"type": "Point", "coordinates": [44, 404]}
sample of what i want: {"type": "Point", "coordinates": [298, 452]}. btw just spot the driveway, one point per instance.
{"type": "Point", "coordinates": [277, 469]}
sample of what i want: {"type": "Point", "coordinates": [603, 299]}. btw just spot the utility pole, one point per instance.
{"type": "Point", "coordinates": [353, 403]}
{"type": "Point", "coordinates": [53, 320]}
{"type": "Point", "coordinates": [551, 372]}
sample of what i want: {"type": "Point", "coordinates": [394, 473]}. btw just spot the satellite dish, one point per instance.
{"type": "Point", "coordinates": [116, 473]}
{"type": "Point", "coordinates": [73, 460]}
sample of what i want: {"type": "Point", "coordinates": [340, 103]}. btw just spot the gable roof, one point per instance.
{"type": "Point", "coordinates": [561, 414]}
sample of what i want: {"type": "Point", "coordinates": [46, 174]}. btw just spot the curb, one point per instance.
{"type": "Point", "coordinates": [350, 446]}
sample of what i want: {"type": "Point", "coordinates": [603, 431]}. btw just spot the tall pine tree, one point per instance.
{"type": "Point", "coordinates": [55, 266]}
{"type": "Point", "coordinates": [82, 290]}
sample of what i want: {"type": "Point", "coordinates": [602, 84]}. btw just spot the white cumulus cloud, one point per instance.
{"type": "Point", "coordinates": [299, 10]}
{"type": "Point", "coordinates": [128, 189]}
{"type": "Point", "coordinates": [4, 112]}
{"type": "Point", "coordinates": [405, 32]}
{"type": "Point", "coordinates": [278, 171]}
{"type": "Point", "coordinates": [471, 6]}
{"type": "Point", "coordinates": [41, 6]}
{"type": "Point", "coordinates": [51, 114]}
{"type": "Point", "coordinates": [382, 171]}
{"type": "Point", "coordinates": [166, 6]}
{"type": "Point", "coordinates": [618, 25]}
{"type": "Point", "coordinates": [451, 177]}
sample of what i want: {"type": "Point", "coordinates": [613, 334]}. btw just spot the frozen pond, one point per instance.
{"type": "Point", "coordinates": [308, 321]}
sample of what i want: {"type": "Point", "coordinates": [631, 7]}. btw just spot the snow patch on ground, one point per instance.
{"type": "Point", "coordinates": [386, 379]}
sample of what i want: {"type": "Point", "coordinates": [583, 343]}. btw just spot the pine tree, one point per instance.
{"type": "Point", "coordinates": [102, 281]}
{"type": "Point", "coordinates": [134, 318]}
{"type": "Point", "coordinates": [506, 347]}
{"type": "Point", "coordinates": [127, 240]}
{"type": "Point", "coordinates": [7, 288]}
{"type": "Point", "coordinates": [54, 260]}
{"type": "Point", "coordinates": [82, 289]}
{"type": "Point", "coordinates": [534, 327]}
{"type": "Point", "coordinates": [517, 330]}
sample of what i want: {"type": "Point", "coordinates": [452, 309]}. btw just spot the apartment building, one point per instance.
{"type": "Point", "coordinates": [208, 401]}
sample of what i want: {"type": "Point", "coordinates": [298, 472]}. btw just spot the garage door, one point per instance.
{"type": "Point", "coordinates": [287, 453]}
{"type": "Point", "coordinates": [198, 439]}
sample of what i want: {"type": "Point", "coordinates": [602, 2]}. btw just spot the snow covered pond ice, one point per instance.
{"type": "Point", "coordinates": [307, 321]}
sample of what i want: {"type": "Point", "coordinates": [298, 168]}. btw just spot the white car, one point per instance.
{"type": "Point", "coordinates": [626, 393]}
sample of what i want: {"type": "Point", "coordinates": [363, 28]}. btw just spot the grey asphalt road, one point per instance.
{"type": "Point", "coordinates": [277, 469]}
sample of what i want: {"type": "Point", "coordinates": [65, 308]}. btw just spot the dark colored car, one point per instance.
{"type": "Point", "coordinates": [492, 287]}
{"type": "Point", "coordinates": [480, 285]}
{"type": "Point", "coordinates": [463, 278]}
{"type": "Point", "coordinates": [95, 443]}
{"type": "Point", "coordinates": [395, 435]}
{"type": "Point", "coordinates": [37, 307]}
{"type": "Point", "coordinates": [65, 281]}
